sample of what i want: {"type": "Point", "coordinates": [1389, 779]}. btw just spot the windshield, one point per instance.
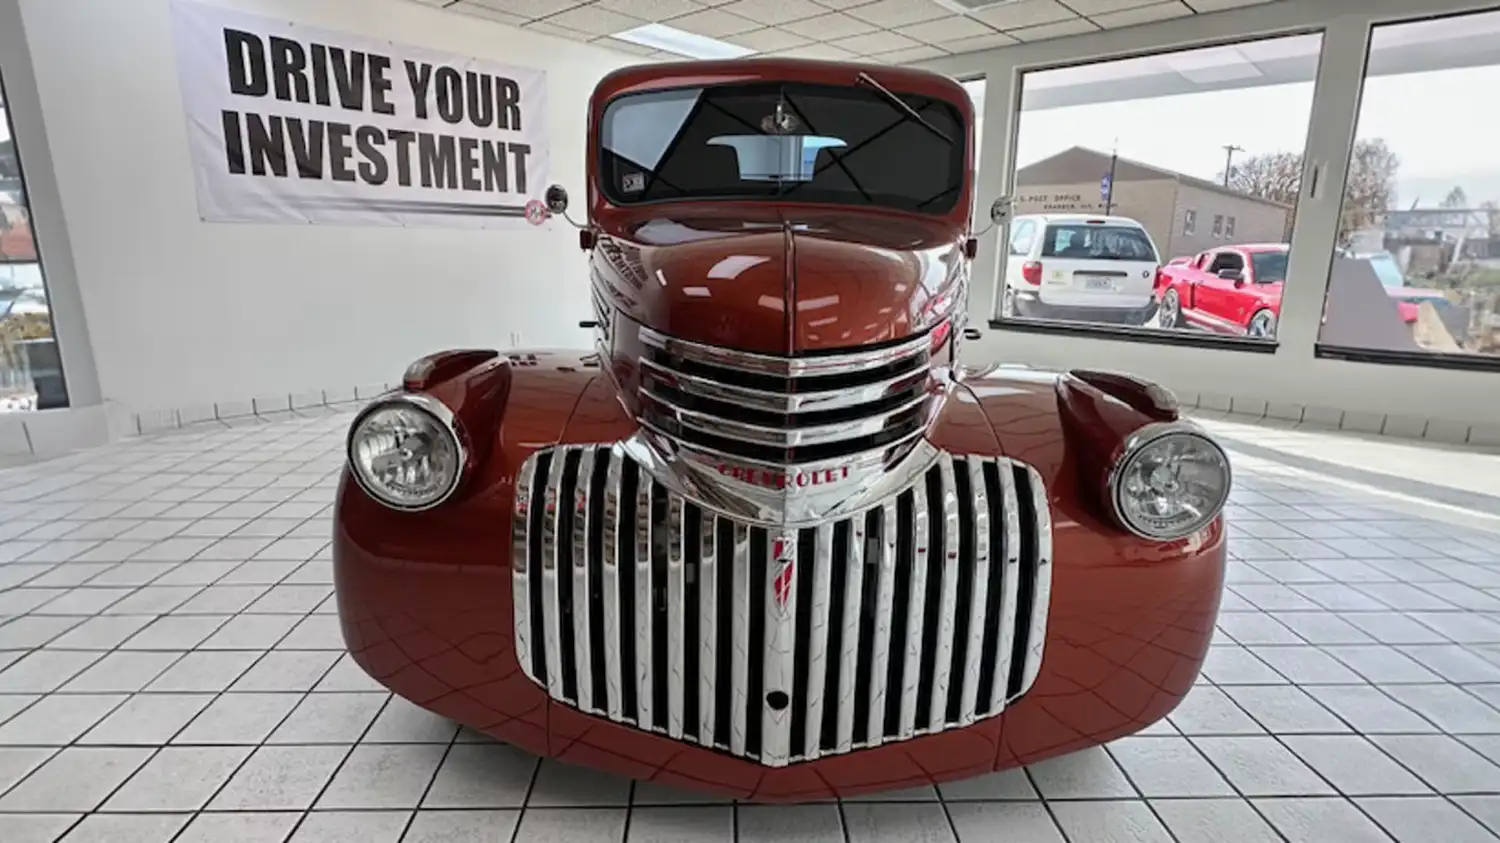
{"type": "Point", "coordinates": [811, 143]}
{"type": "Point", "coordinates": [1269, 267]}
{"type": "Point", "coordinates": [1098, 242]}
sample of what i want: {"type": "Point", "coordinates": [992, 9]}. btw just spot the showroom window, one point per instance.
{"type": "Point", "coordinates": [1416, 268]}
{"type": "Point", "coordinates": [1116, 153]}
{"type": "Point", "coordinates": [30, 368]}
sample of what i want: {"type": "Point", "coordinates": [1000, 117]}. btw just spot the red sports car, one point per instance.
{"type": "Point", "coordinates": [770, 536]}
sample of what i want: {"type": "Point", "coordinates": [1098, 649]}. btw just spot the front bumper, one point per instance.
{"type": "Point", "coordinates": [427, 610]}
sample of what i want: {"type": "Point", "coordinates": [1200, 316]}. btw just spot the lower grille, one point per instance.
{"type": "Point", "coordinates": [923, 613]}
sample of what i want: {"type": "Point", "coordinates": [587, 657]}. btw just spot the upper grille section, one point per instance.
{"type": "Point", "coordinates": [925, 612]}
{"type": "Point", "coordinates": [784, 410]}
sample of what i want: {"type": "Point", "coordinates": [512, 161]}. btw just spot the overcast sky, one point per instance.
{"type": "Point", "coordinates": [1436, 123]}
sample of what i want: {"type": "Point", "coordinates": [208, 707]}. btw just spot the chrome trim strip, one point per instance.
{"type": "Point", "coordinates": [1010, 582]}
{"type": "Point", "coordinates": [781, 402]}
{"type": "Point", "coordinates": [732, 358]}
{"type": "Point", "coordinates": [551, 549]}
{"type": "Point", "coordinates": [779, 591]}
{"type": "Point", "coordinates": [677, 609]}
{"type": "Point", "coordinates": [1042, 587]}
{"type": "Point", "coordinates": [610, 582]}
{"type": "Point", "coordinates": [854, 586]}
{"type": "Point", "coordinates": [740, 664]}
{"type": "Point", "coordinates": [942, 662]}
{"type": "Point", "coordinates": [520, 559]}
{"type": "Point", "coordinates": [817, 643]}
{"type": "Point", "coordinates": [645, 696]}
{"type": "Point", "coordinates": [915, 608]}
{"type": "Point", "coordinates": [708, 627]}
{"type": "Point", "coordinates": [582, 657]}
{"type": "Point", "coordinates": [880, 648]}
{"type": "Point", "coordinates": [787, 437]}
{"type": "Point", "coordinates": [979, 604]}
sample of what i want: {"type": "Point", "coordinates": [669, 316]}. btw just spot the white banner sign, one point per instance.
{"type": "Point", "coordinates": [291, 124]}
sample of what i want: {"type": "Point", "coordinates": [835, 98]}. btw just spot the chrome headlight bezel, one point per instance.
{"type": "Point", "coordinates": [1135, 444]}
{"type": "Point", "coordinates": [443, 419]}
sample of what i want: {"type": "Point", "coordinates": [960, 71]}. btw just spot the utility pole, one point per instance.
{"type": "Point", "coordinates": [1109, 197]}
{"type": "Point", "coordinates": [1229, 151]}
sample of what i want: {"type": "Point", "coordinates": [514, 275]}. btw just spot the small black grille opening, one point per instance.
{"type": "Point", "coordinates": [932, 597]}
{"type": "Point", "coordinates": [1026, 508]}
{"type": "Point", "coordinates": [629, 619]}
{"type": "Point", "coordinates": [995, 593]}
{"type": "Point", "coordinates": [725, 556]}
{"type": "Point", "coordinates": [901, 596]}
{"type": "Point", "coordinates": [869, 604]}
{"type": "Point", "coordinates": [837, 606]}
{"type": "Point", "coordinates": [692, 545]}
{"type": "Point", "coordinates": [966, 575]}
{"type": "Point", "coordinates": [566, 604]}
{"type": "Point", "coordinates": [535, 518]}
{"type": "Point", "coordinates": [595, 565]}
{"type": "Point", "coordinates": [660, 534]}
{"type": "Point", "coordinates": [757, 659]}
{"type": "Point", "coordinates": [806, 562]}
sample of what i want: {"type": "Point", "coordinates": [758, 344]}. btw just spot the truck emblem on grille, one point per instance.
{"type": "Point", "coordinates": [784, 552]}
{"type": "Point", "coordinates": [782, 479]}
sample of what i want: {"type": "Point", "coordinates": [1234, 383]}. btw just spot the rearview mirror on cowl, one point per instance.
{"type": "Point", "coordinates": [1000, 210]}
{"type": "Point", "coordinates": [556, 200]}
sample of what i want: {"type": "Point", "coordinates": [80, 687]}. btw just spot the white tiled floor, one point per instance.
{"type": "Point", "coordinates": [171, 670]}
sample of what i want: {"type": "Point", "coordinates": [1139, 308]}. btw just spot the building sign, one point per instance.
{"type": "Point", "coordinates": [1048, 202]}
{"type": "Point", "coordinates": [292, 124]}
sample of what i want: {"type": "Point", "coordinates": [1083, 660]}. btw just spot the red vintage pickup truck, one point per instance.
{"type": "Point", "coordinates": [1237, 289]}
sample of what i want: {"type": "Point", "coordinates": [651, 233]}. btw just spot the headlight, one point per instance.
{"type": "Point", "coordinates": [405, 452]}
{"type": "Point", "coordinates": [1170, 481]}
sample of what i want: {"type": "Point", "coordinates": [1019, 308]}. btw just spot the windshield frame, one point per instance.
{"type": "Point", "coordinates": [1282, 256]}
{"type": "Point", "coordinates": [946, 204]}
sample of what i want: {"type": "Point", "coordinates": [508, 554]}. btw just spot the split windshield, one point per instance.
{"type": "Point", "coordinates": [783, 141]}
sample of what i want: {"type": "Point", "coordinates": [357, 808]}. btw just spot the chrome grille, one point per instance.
{"type": "Point", "coordinates": [925, 612]}
{"type": "Point", "coordinates": [784, 410]}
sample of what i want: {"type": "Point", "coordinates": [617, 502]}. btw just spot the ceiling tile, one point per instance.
{"type": "Point", "coordinates": [825, 52]}
{"type": "Point", "coordinates": [773, 12]}
{"type": "Point", "coordinates": [595, 21]}
{"type": "Point", "coordinates": [1025, 13]}
{"type": "Point", "coordinates": [830, 26]}
{"type": "Point", "coordinates": [980, 42]}
{"type": "Point", "coordinates": [898, 13]}
{"type": "Point", "coordinates": [487, 13]}
{"type": "Point", "coordinates": [651, 10]}
{"type": "Point", "coordinates": [625, 46]}
{"type": "Point", "coordinates": [529, 9]}
{"type": "Point", "coordinates": [1076, 26]}
{"type": "Point", "coordinates": [910, 54]}
{"type": "Point", "coordinates": [871, 43]}
{"type": "Point", "coordinates": [946, 29]}
{"type": "Point", "coordinates": [715, 23]}
{"type": "Point", "coordinates": [1205, 6]}
{"type": "Point", "coordinates": [1089, 8]}
{"type": "Point", "coordinates": [770, 39]}
{"type": "Point", "coordinates": [547, 28]}
{"type": "Point", "coordinates": [1142, 14]}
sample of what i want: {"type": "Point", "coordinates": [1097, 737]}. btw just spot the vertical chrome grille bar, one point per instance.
{"type": "Point", "coordinates": [1010, 582]}
{"type": "Point", "coordinates": [779, 659]}
{"type": "Point", "coordinates": [880, 648]}
{"type": "Point", "coordinates": [676, 614]}
{"type": "Point", "coordinates": [610, 585]}
{"type": "Point", "coordinates": [854, 589]}
{"type": "Point", "coordinates": [551, 549]}
{"type": "Point", "coordinates": [708, 628]}
{"type": "Point", "coordinates": [740, 664]}
{"type": "Point", "coordinates": [1042, 586]}
{"type": "Point", "coordinates": [943, 659]}
{"type": "Point", "coordinates": [582, 660]}
{"type": "Point", "coordinates": [645, 695]}
{"type": "Point", "coordinates": [911, 674]}
{"type": "Point", "coordinates": [817, 644]}
{"type": "Point", "coordinates": [520, 576]}
{"type": "Point", "coordinates": [978, 605]}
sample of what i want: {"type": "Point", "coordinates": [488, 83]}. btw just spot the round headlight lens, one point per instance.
{"type": "Point", "coordinates": [1170, 485]}
{"type": "Point", "coordinates": [405, 456]}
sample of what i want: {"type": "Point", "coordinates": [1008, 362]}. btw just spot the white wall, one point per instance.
{"type": "Point", "coordinates": [1406, 400]}
{"type": "Point", "coordinates": [184, 313]}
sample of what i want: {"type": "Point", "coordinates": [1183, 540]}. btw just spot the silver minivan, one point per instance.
{"type": "Point", "coordinates": [1080, 268]}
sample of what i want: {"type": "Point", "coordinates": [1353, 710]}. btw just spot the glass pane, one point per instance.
{"type": "Point", "coordinates": [1160, 200]}
{"type": "Point", "coordinates": [975, 87]}
{"type": "Point", "coordinates": [813, 143]}
{"type": "Point", "coordinates": [1417, 265]}
{"type": "Point", "coordinates": [30, 368]}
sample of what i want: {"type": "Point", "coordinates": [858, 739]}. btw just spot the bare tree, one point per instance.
{"type": "Point", "coordinates": [1456, 198]}
{"type": "Point", "coordinates": [1277, 176]}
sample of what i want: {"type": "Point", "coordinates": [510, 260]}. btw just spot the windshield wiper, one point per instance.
{"type": "Point", "coordinates": [900, 104]}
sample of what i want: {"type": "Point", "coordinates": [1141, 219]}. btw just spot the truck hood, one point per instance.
{"type": "Point", "coordinates": [779, 281]}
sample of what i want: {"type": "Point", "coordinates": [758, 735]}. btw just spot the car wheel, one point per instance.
{"type": "Point", "coordinates": [1169, 315]}
{"type": "Point", "coordinates": [1262, 326]}
{"type": "Point", "coordinates": [1008, 304]}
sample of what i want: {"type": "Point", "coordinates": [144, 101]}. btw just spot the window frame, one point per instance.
{"type": "Point", "coordinates": [1189, 222]}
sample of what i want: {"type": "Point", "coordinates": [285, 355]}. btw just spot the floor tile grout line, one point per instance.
{"type": "Point", "coordinates": [436, 771]}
